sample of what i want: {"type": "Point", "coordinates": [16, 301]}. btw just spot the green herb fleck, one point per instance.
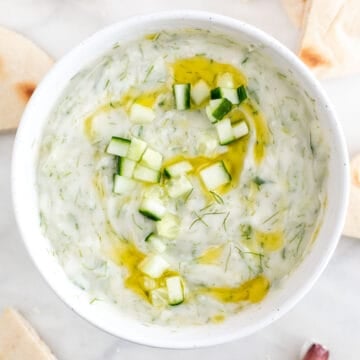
{"type": "Point", "coordinates": [225, 219]}
{"type": "Point", "coordinates": [246, 231]}
{"type": "Point", "coordinates": [188, 196]}
{"type": "Point", "coordinates": [134, 221]}
{"type": "Point", "coordinates": [228, 258]}
{"type": "Point", "coordinates": [151, 68]}
{"type": "Point", "coordinates": [259, 181]}
{"type": "Point", "coordinates": [198, 218]}
{"type": "Point", "coordinates": [93, 300]}
{"type": "Point", "coordinates": [281, 75]}
{"type": "Point", "coordinates": [259, 255]}
{"type": "Point", "coordinates": [217, 198]}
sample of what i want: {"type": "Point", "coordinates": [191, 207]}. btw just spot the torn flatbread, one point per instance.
{"type": "Point", "coordinates": [330, 43]}
{"type": "Point", "coordinates": [352, 223]}
{"type": "Point", "coordinates": [22, 66]}
{"type": "Point", "coordinates": [19, 341]}
{"type": "Point", "coordinates": [295, 10]}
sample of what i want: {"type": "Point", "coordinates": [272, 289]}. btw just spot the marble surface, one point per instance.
{"type": "Point", "coordinates": [329, 313]}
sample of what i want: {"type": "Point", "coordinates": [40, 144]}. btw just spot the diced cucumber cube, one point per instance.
{"type": "Point", "coordinates": [152, 208]}
{"type": "Point", "coordinates": [178, 186]}
{"type": "Point", "coordinates": [169, 226]}
{"type": "Point", "coordinates": [118, 146]}
{"type": "Point", "coordinates": [140, 114]}
{"type": "Point", "coordinates": [217, 109]}
{"type": "Point", "coordinates": [143, 173]}
{"type": "Point", "coordinates": [242, 94]}
{"type": "Point", "coordinates": [182, 96]}
{"type": "Point", "coordinates": [240, 129]}
{"type": "Point", "coordinates": [153, 266]}
{"type": "Point", "coordinates": [148, 283]}
{"type": "Point", "coordinates": [159, 297]}
{"type": "Point", "coordinates": [152, 159]}
{"type": "Point", "coordinates": [126, 167]}
{"type": "Point", "coordinates": [215, 176]}
{"type": "Point", "coordinates": [123, 185]}
{"type": "Point", "coordinates": [200, 92]}
{"type": "Point", "coordinates": [156, 243]}
{"type": "Point", "coordinates": [225, 131]}
{"type": "Point", "coordinates": [175, 290]}
{"type": "Point", "coordinates": [228, 93]}
{"type": "Point", "coordinates": [225, 80]}
{"type": "Point", "coordinates": [136, 149]}
{"type": "Point", "coordinates": [178, 169]}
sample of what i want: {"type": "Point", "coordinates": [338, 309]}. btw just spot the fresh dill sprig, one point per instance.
{"type": "Point", "coordinates": [228, 258]}
{"type": "Point", "coordinates": [201, 217]}
{"type": "Point", "coordinates": [188, 196]}
{"type": "Point", "coordinates": [259, 255]}
{"type": "Point", "coordinates": [246, 231]}
{"type": "Point", "coordinates": [217, 197]}
{"type": "Point", "coordinates": [272, 216]}
{"type": "Point", "coordinates": [151, 68]}
{"type": "Point", "coordinates": [94, 299]}
{"type": "Point", "coordinates": [134, 221]}
{"type": "Point", "coordinates": [198, 218]}
{"type": "Point", "coordinates": [225, 219]}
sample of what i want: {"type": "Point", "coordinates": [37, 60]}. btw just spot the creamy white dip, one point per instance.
{"type": "Point", "coordinates": [233, 246]}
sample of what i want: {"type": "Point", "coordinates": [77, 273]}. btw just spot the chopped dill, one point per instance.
{"type": "Point", "coordinates": [112, 105]}
{"type": "Point", "coordinates": [246, 231]}
{"type": "Point", "coordinates": [281, 75]}
{"type": "Point", "coordinates": [151, 68]}
{"type": "Point", "coordinates": [225, 219]}
{"type": "Point", "coordinates": [272, 216]}
{"type": "Point", "coordinates": [156, 37]}
{"type": "Point", "coordinates": [245, 60]}
{"type": "Point", "coordinates": [94, 300]}
{"type": "Point", "coordinates": [201, 217]}
{"type": "Point", "coordinates": [312, 148]}
{"type": "Point", "coordinates": [43, 222]}
{"type": "Point", "coordinates": [253, 94]}
{"type": "Point", "coordinates": [188, 196]}
{"type": "Point", "coordinates": [207, 207]}
{"type": "Point", "coordinates": [107, 83]}
{"type": "Point", "coordinates": [259, 255]}
{"type": "Point", "coordinates": [217, 197]}
{"type": "Point", "coordinates": [259, 181]}
{"type": "Point", "coordinates": [136, 224]}
{"type": "Point", "coordinates": [198, 218]}
{"type": "Point", "coordinates": [228, 258]}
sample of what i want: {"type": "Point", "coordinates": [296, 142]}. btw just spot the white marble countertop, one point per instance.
{"type": "Point", "coordinates": [330, 313]}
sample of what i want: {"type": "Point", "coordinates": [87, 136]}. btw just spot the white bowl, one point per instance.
{"type": "Point", "coordinates": [105, 316]}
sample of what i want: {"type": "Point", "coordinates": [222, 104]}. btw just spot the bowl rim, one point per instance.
{"type": "Point", "coordinates": [285, 53]}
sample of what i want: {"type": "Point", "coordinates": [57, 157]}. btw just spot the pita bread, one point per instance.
{"type": "Point", "coordinates": [352, 223]}
{"type": "Point", "coordinates": [295, 10]}
{"type": "Point", "coordinates": [330, 43]}
{"type": "Point", "coordinates": [19, 341]}
{"type": "Point", "coordinates": [22, 66]}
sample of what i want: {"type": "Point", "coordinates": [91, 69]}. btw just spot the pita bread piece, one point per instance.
{"type": "Point", "coordinates": [330, 43]}
{"type": "Point", "coordinates": [352, 222]}
{"type": "Point", "coordinates": [22, 66]}
{"type": "Point", "coordinates": [19, 341]}
{"type": "Point", "coordinates": [295, 10]}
